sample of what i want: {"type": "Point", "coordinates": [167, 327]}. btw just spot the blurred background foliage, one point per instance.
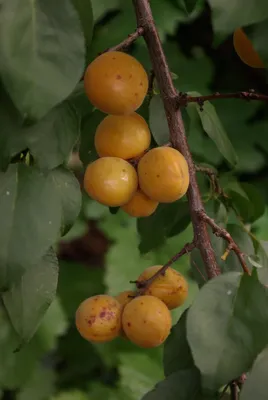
{"type": "Point", "coordinates": [101, 253]}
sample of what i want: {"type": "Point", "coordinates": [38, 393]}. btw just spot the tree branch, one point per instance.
{"type": "Point", "coordinates": [176, 127]}
{"type": "Point", "coordinates": [183, 99]}
{"type": "Point", "coordinates": [221, 232]}
{"type": "Point", "coordinates": [127, 42]}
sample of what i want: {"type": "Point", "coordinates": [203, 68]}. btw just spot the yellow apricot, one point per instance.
{"type": "Point", "coordinates": [140, 205]}
{"type": "Point", "coordinates": [116, 83]}
{"type": "Point", "coordinates": [98, 318]}
{"type": "Point", "coordinates": [124, 136]}
{"type": "Point", "coordinates": [146, 321]}
{"type": "Point", "coordinates": [171, 288]}
{"type": "Point", "coordinates": [163, 174]}
{"type": "Point", "coordinates": [125, 297]}
{"type": "Point", "coordinates": [111, 181]}
{"type": "Point", "coordinates": [245, 50]}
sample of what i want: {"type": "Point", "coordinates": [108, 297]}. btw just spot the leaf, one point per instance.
{"type": "Point", "coordinates": [259, 37]}
{"type": "Point", "coordinates": [70, 395]}
{"type": "Point", "coordinates": [48, 62]}
{"type": "Point", "coordinates": [256, 382]}
{"type": "Point", "coordinates": [227, 327]}
{"type": "Point", "coordinates": [238, 15]}
{"type": "Point", "coordinates": [87, 151]}
{"type": "Point", "coordinates": [85, 12]}
{"type": "Point", "coordinates": [167, 220]}
{"type": "Point", "coordinates": [157, 121]}
{"type": "Point", "coordinates": [190, 6]}
{"type": "Point", "coordinates": [28, 300]}
{"type": "Point", "coordinates": [177, 353]}
{"type": "Point", "coordinates": [181, 385]}
{"type": "Point", "coordinates": [40, 386]}
{"type": "Point", "coordinates": [213, 127]}
{"type": "Point", "coordinates": [35, 209]}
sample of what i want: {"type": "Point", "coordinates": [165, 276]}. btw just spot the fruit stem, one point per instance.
{"type": "Point", "coordinates": [177, 133]}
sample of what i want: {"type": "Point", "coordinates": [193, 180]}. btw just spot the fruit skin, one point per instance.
{"type": "Point", "coordinates": [146, 321]}
{"type": "Point", "coordinates": [124, 297]}
{"type": "Point", "coordinates": [172, 288]}
{"type": "Point", "coordinates": [163, 174]}
{"type": "Point", "coordinates": [245, 50]}
{"type": "Point", "coordinates": [140, 205]}
{"type": "Point", "coordinates": [124, 136]}
{"type": "Point", "coordinates": [111, 181]}
{"type": "Point", "coordinates": [98, 318]}
{"type": "Point", "coordinates": [116, 83]}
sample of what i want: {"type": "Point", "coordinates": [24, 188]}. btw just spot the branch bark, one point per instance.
{"type": "Point", "coordinates": [183, 99]}
{"type": "Point", "coordinates": [176, 127]}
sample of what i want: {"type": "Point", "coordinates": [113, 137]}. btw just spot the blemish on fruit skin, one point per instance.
{"type": "Point", "coordinates": [91, 321]}
{"type": "Point", "coordinates": [118, 77]}
{"type": "Point", "coordinates": [128, 324]}
{"type": "Point", "coordinates": [130, 76]}
{"type": "Point", "coordinates": [102, 314]}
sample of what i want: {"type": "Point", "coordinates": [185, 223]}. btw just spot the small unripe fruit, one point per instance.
{"type": "Point", "coordinates": [125, 297]}
{"type": "Point", "coordinates": [111, 181]}
{"type": "Point", "coordinates": [163, 174]}
{"type": "Point", "coordinates": [245, 50]}
{"type": "Point", "coordinates": [171, 288]}
{"type": "Point", "coordinates": [116, 83]}
{"type": "Point", "coordinates": [125, 136]}
{"type": "Point", "coordinates": [146, 321]}
{"type": "Point", "coordinates": [140, 205]}
{"type": "Point", "coordinates": [98, 318]}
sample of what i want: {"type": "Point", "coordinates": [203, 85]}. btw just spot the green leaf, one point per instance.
{"type": "Point", "coordinates": [35, 209]}
{"type": "Point", "coordinates": [28, 300]}
{"type": "Point", "coordinates": [157, 121]}
{"type": "Point", "coordinates": [181, 385]}
{"type": "Point", "coordinates": [190, 6]}
{"type": "Point", "coordinates": [259, 37]}
{"type": "Point", "coordinates": [85, 12]}
{"type": "Point", "coordinates": [89, 125]}
{"type": "Point", "coordinates": [256, 382]}
{"type": "Point", "coordinates": [237, 14]}
{"type": "Point", "coordinates": [227, 327]}
{"type": "Point", "coordinates": [70, 395]}
{"type": "Point", "coordinates": [215, 130]}
{"type": "Point", "coordinates": [177, 353]}
{"type": "Point", "coordinates": [101, 8]}
{"type": "Point", "coordinates": [41, 66]}
{"type": "Point", "coordinates": [167, 220]}
{"type": "Point", "coordinates": [40, 386]}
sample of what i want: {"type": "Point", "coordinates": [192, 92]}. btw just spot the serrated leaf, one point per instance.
{"type": "Point", "coordinates": [227, 327]}
{"type": "Point", "coordinates": [41, 66]}
{"type": "Point", "coordinates": [181, 385]}
{"type": "Point", "coordinates": [28, 300]}
{"type": "Point", "coordinates": [256, 383]}
{"type": "Point", "coordinates": [238, 15]}
{"type": "Point", "coordinates": [167, 220]}
{"type": "Point", "coordinates": [177, 353]}
{"type": "Point", "coordinates": [215, 130]}
{"type": "Point", "coordinates": [35, 209]}
{"type": "Point", "coordinates": [157, 121]}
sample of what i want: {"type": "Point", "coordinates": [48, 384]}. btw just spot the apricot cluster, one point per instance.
{"type": "Point", "coordinates": [128, 174]}
{"type": "Point", "coordinates": [144, 319]}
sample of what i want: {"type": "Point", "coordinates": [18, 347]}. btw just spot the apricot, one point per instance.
{"type": "Point", "coordinates": [245, 50]}
{"type": "Point", "coordinates": [171, 288]}
{"type": "Point", "coordinates": [98, 318]}
{"type": "Point", "coordinates": [124, 136]}
{"type": "Point", "coordinates": [116, 83]}
{"type": "Point", "coordinates": [140, 205]}
{"type": "Point", "coordinates": [146, 321]}
{"type": "Point", "coordinates": [163, 174]}
{"type": "Point", "coordinates": [125, 297]}
{"type": "Point", "coordinates": [111, 181]}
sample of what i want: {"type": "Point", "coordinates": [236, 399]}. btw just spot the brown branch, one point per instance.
{"type": "Point", "coordinates": [142, 286]}
{"type": "Point", "coordinates": [234, 390]}
{"type": "Point", "coordinates": [132, 37]}
{"type": "Point", "coordinates": [177, 132]}
{"type": "Point", "coordinates": [221, 232]}
{"type": "Point", "coordinates": [213, 176]}
{"type": "Point", "coordinates": [183, 99]}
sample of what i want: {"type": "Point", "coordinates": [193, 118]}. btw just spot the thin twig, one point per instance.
{"type": "Point", "coordinates": [213, 176]}
{"type": "Point", "coordinates": [142, 286]}
{"type": "Point", "coordinates": [183, 99]}
{"type": "Point", "coordinates": [234, 390]}
{"type": "Point", "coordinates": [178, 138]}
{"type": "Point", "coordinates": [221, 232]}
{"type": "Point", "coordinates": [132, 37]}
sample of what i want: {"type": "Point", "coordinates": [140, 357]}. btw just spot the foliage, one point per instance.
{"type": "Point", "coordinates": [59, 247]}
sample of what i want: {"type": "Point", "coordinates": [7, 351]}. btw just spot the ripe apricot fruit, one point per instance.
{"type": "Point", "coordinates": [98, 318]}
{"type": "Point", "coordinates": [163, 174]}
{"type": "Point", "coordinates": [116, 83]}
{"type": "Point", "coordinates": [245, 50]}
{"type": "Point", "coordinates": [140, 205]}
{"type": "Point", "coordinates": [111, 181]}
{"type": "Point", "coordinates": [171, 288]}
{"type": "Point", "coordinates": [124, 136]}
{"type": "Point", "coordinates": [146, 321]}
{"type": "Point", "coordinates": [125, 297]}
